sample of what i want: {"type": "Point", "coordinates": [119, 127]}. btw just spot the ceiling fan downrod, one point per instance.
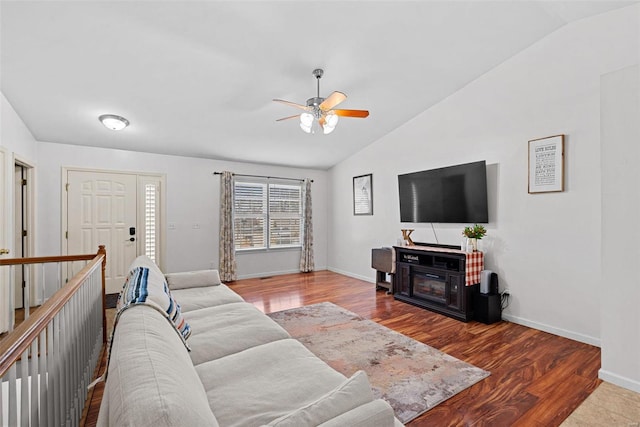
{"type": "Point", "coordinates": [318, 72]}
{"type": "Point", "coordinates": [317, 100]}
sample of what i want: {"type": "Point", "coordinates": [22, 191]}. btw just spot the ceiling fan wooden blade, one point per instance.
{"type": "Point", "coordinates": [292, 104]}
{"type": "Point", "coordinates": [361, 114]}
{"type": "Point", "coordinates": [334, 99]}
{"type": "Point", "coordinates": [322, 121]}
{"type": "Point", "coordinates": [287, 118]}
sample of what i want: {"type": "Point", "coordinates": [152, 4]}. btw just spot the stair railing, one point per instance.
{"type": "Point", "coordinates": [47, 361]}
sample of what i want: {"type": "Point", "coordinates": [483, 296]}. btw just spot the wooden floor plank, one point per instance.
{"type": "Point", "coordinates": [537, 379]}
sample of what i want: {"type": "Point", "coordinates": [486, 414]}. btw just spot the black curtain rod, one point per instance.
{"type": "Point", "coordinates": [262, 176]}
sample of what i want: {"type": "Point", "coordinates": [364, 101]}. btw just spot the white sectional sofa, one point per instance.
{"type": "Point", "coordinates": [243, 368]}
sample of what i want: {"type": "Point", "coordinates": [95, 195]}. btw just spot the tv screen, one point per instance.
{"type": "Point", "coordinates": [454, 194]}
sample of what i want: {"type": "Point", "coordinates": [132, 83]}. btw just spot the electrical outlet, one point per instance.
{"type": "Point", "coordinates": [506, 292]}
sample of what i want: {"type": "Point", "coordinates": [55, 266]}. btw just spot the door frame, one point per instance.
{"type": "Point", "coordinates": [35, 291]}
{"type": "Point", "coordinates": [161, 177]}
{"type": "Point", "coordinates": [6, 313]}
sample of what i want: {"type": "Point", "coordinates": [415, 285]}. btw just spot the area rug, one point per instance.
{"type": "Point", "coordinates": [411, 376]}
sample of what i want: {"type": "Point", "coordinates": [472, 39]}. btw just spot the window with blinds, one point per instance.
{"type": "Point", "coordinates": [150, 216]}
{"type": "Point", "coordinates": [267, 215]}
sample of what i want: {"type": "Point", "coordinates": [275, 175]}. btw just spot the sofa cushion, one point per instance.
{"type": "Point", "coordinates": [193, 279]}
{"type": "Point", "coordinates": [229, 328]}
{"type": "Point", "coordinates": [377, 413]}
{"type": "Point", "coordinates": [152, 381]}
{"type": "Point", "coordinates": [257, 385]}
{"type": "Point", "coordinates": [352, 393]}
{"type": "Point", "coordinates": [208, 296]}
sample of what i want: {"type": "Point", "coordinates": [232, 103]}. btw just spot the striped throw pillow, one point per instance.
{"type": "Point", "coordinates": [138, 289]}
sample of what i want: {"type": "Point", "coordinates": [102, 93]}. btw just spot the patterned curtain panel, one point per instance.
{"type": "Point", "coordinates": [306, 258]}
{"type": "Point", "coordinates": [227, 263]}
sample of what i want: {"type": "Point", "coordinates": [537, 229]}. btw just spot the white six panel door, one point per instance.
{"type": "Point", "coordinates": [101, 210]}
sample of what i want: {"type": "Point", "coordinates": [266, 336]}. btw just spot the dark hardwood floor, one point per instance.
{"type": "Point", "coordinates": [537, 379]}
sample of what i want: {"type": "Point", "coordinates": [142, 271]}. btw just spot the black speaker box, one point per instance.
{"type": "Point", "coordinates": [487, 308]}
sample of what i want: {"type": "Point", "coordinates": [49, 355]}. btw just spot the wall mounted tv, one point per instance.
{"type": "Point", "coordinates": [454, 194]}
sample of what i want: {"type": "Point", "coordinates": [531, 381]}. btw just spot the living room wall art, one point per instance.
{"type": "Point", "coordinates": [546, 164]}
{"type": "Point", "coordinates": [363, 195]}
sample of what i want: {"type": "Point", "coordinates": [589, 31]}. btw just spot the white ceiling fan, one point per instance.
{"type": "Point", "coordinates": [320, 112]}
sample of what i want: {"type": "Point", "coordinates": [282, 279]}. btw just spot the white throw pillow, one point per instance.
{"type": "Point", "coordinates": [193, 279]}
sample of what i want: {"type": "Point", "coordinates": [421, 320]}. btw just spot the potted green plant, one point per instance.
{"type": "Point", "coordinates": [473, 234]}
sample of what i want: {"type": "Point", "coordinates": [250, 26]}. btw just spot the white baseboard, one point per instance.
{"type": "Point", "coordinates": [355, 276]}
{"type": "Point", "coordinates": [612, 378]}
{"type": "Point", "coordinates": [273, 273]}
{"type": "Point", "coordinates": [553, 330]}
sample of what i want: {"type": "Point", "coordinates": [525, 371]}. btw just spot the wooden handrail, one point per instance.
{"type": "Point", "coordinates": [17, 341]}
{"type": "Point", "coordinates": [46, 259]}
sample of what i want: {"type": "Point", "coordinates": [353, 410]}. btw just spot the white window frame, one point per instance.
{"type": "Point", "coordinates": [268, 183]}
{"type": "Point", "coordinates": [150, 225]}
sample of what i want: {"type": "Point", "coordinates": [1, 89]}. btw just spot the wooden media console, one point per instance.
{"type": "Point", "coordinates": [438, 279]}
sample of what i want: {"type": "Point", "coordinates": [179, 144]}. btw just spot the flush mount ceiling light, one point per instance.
{"type": "Point", "coordinates": [319, 113]}
{"type": "Point", "coordinates": [113, 122]}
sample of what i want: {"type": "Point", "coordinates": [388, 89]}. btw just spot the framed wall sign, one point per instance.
{"type": "Point", "coordinates": [363, 195]}
{"type": "Point", "coordinates": [546, 164]}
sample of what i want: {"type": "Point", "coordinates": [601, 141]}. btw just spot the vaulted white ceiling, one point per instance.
{"type": "Point", "coordinates": [197, 78]}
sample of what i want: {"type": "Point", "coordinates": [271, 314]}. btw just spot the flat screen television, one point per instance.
{"type": "Point", "coordinates": [454, 194]}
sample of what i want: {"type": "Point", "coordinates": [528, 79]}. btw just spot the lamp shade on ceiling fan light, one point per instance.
{"type": "Point", "coordinates": [306, 122]}
{"type": "Point", "coordinates": [331, 120]}
{"type": "Point", "coordinates": [113, 122]}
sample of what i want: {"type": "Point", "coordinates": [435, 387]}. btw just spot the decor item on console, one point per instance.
{"type": "Point", "coordinates": [406, 235]}
{"type": "Point", "coordinates": [473, 234]}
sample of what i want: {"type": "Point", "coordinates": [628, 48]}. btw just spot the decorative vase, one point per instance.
{"type": "Point", "coordinates": [472, 244]}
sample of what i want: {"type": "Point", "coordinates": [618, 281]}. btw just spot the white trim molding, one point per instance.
{"type": "Point", "coordinates": [355, 276]}
{"type": "Point", "coordinates": [586, 339]}
{"type": "Point", "coordinates": [615, 379]}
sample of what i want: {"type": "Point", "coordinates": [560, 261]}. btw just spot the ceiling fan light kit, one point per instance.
{"type": "Point", "coordinates": [319, 112]}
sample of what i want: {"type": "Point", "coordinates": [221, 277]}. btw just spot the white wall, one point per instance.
{"type": "Point", "coordinates": [192, 198]}
{"type": "Point", "coordinates": [18, 143]}
{"type": "Point", "coordinates": [545, 247]}
{"type": "Point", "coordinates": [14, 135]}
{"type": "Point", "coordinates": [620, 294]}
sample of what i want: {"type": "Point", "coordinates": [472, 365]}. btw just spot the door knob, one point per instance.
{"type": "Point", "coordinates": [4, 251]}
{"type": "Point", "coordinates": [132, 239]}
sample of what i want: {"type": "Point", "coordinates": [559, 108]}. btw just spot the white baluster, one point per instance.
{"type": "Point", "coordinates": [43, 399]}
{"type": "Point", "coordinates": [35, 380]}
{"type": "Point", "coordinates": [51, 391]}
{"type": "Point", "coordinates": [13, 396]}
{"type": "Point", "coordinates": [24, 388]}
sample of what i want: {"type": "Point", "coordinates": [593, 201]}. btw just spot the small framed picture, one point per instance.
{"type": "Point", "coordinates": [546, 164]}
{"type": "Point", "coordinates": [363, 195]}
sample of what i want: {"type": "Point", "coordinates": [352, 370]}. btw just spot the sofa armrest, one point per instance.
{"type": "Point", "coordinates": [377, 413]}
{"type": "Point", "coordinates": [193, 279]}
